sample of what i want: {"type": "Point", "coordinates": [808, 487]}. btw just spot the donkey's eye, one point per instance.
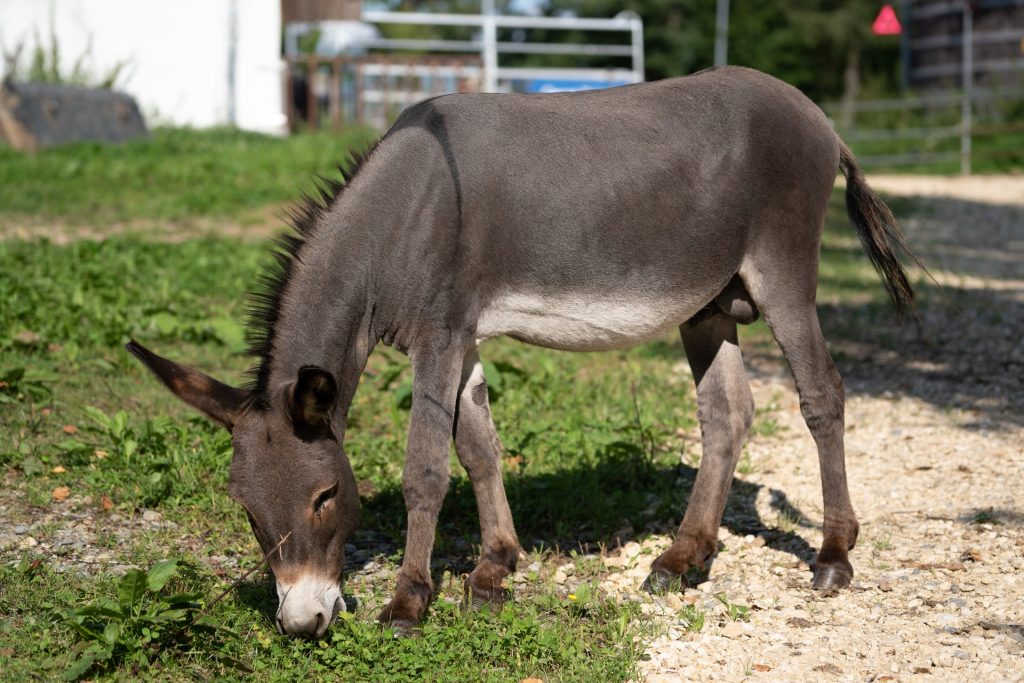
{"type": "Point", "coordinates": [324, 496]}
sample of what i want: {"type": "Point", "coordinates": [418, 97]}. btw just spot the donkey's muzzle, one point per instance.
{"type": "Point", "coordinates": [308, 606]}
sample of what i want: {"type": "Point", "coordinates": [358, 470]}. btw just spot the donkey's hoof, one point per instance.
{"type": "Point", "coordinates": [473, 598]}
{"type": "Point", "coordinates": [661, 581]}
{"type": "Point", "coordinates": [831, 577]}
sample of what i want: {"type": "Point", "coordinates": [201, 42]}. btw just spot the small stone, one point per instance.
{"type": "Point", "coordinates": [151, 516]}
{"type": "Point", "coordinates": [21, 529]}
{"type": "Point", "coordinates": [349, 548]}
{"type": "Point", "coordinates": [733, 630]}
{"type": "Point", "coordinates": [28, 542]}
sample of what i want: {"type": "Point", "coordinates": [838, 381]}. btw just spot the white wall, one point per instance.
{"type": "Point", "coordinates": [177, 53]}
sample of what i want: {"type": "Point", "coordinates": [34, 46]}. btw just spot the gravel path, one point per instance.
{"type": "Point", "coordinates": [935, 451]}
{"type": "Point", "coordinates": [935, 447]}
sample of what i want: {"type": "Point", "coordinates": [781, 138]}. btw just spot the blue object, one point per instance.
{"type": "Point", "coordinates": [570, 86]}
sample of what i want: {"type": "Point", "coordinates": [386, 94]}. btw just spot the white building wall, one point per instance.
{"type": "Point", "coordinates": [177, 53]}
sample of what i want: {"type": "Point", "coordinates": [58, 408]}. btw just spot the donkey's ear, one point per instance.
{"type": "Point", "coordinates": [221, 403]}
{"type": "Point", "coordinates": [313, 397]}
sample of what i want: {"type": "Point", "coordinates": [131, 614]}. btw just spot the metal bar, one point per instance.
{"type": "Point", "coordinates": [980, 38]}
{"type": "Point", "coordinates": [902, 134]}
{"type": "Point", "coordinates": [968, 83]}
{"type": "Point", "coordinates": [428, 45]}
{"type": "Point", "coordinates": [334, 90]}
{"type": "Point", "coordinates": [489, 53]}
{"type": "Point", "coordinates": [722, 33]}
{"type": "Point", "coordinates": [637, 41]}
{"type": "Point", "coordinates": [312, 115]}
{"type": "Point", "coordinates": [502, 47]}
{"type": "Point", "coordinates": [907, 159]}
{"type": "Point", "coordinates": [500, 21]}
{"type": "Point", "coordinates": [373, 69]}
{"type": "Point", "coordinates": [1004, 65]}
{"type": "Point", "coordinates": [527, 73]}
{"type": "Point", "coordinates": [905, 45]}
{"type": "Point", "coordinates": [565, 49]}
{"type": "Point", "coordinates": [945, 100]}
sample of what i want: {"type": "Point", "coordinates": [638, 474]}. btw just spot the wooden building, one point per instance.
{"type": "Point", "coordinates": [933, 33]}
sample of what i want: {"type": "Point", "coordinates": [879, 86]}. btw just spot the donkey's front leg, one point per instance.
{"type": "Point", "coordinates": [424, 480]}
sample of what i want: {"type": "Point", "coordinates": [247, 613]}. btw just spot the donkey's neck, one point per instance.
{"type": "Point", "coordinates": [326, 307]}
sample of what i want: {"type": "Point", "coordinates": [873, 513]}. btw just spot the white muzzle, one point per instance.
{"type": "Point", "coordinates": [308, 606]}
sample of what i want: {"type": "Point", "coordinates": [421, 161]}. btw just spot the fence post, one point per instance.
{"type": "Point", "coordinates": [968, 86]}
{"type": "Point", "coordinates": [490, 47]}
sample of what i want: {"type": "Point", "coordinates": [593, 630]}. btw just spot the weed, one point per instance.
{"type": "Point", "coordinates": [883, 543]}
{"type": "Point", "coordinates": [131, 628]}
{"type": "Point", "coordinates": [692, 618]}
{"type": "Point", "coordinates": [788, 520]}
{"type": "Point", "coordinates": [746, 463]}
{"type": "Point", "coordinates": [985, 517]}
{"type": "Point", "coordinates": [734, 611]}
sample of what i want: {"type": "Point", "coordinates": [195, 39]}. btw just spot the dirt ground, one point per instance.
{"type": "Point", "coordinates": [935, 454]}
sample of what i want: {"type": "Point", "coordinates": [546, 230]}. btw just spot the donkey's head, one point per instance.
{"type": "Point", "coordinates": [291, 475]}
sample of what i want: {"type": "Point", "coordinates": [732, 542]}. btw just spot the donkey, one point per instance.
{"type": "Point", "coordinates": [578, 221]}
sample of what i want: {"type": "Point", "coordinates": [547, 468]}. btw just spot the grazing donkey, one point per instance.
{"type": "Point", "coordinates": [579, 221]}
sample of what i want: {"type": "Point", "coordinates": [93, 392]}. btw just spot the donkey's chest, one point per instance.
{"type": "Point", "coordinates": [582, 323]}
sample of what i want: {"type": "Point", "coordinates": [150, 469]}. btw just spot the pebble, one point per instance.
{"type": "Point", "coordinates": [21, 529]}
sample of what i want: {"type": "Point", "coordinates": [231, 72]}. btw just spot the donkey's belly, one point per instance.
{"type": "Point", "coordinates": [584, 323]}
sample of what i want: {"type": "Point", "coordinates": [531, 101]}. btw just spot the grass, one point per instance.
{"type": "Point", "coordinates": [79, 413]}
{"type": "Point", "coordinates": [175, 175]}
{"type": "Point", "coordinates": [591, 443]}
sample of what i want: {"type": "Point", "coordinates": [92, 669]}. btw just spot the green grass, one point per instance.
{"type": "Point", "coordinates": [176, 175]}
{"type": "Point", "coordinates": [591, 442]}
{"type": "Point", "coordinates": [590, 438]}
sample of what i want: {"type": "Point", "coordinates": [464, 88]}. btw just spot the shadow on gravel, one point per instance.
{"type": "Point", "coordinates": [970, 353]}
{"type": "Point", "coordinates": [590, 507]}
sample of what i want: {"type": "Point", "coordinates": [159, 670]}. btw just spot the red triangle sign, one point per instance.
{"type": "Point", "coordinates": [886, 23]}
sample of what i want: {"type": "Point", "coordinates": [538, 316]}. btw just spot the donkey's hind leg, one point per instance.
{"type": "Point", "coordinates": [790, 312]}
{"type": "Point", "coordinates": [479, 451]}
{"type": "Point", "coordinates": [725, 408]}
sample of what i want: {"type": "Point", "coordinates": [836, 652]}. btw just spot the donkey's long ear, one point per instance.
{"type": "Point", "coordinates": [217, 400]}
{"type": "Point", "coordinates": [313, 397]}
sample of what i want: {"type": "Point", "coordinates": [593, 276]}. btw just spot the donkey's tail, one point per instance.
{"type": "Point", "coordinates": [879, 233]}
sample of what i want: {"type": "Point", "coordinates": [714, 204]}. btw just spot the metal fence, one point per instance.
{"type": "Point", "coordinates": [372, 90]}
{"type": "Point", "coordinates": [931, 130]}
{"type": "Point", "coordinates": [393, 73]}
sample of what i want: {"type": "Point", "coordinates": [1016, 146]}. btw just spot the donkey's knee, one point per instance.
{"type": "Point", "coordinates": [824, 410]}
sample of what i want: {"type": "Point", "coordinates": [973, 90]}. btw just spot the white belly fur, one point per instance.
{"type": "Point", "coordinates": [580, 324]}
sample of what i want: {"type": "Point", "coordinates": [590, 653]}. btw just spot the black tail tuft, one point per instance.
{"type": "Point", "coordinates": [879, 233]}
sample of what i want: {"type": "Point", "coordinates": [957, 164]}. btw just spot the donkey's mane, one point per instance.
{"type": "Point", "coordinates": [304, 217]}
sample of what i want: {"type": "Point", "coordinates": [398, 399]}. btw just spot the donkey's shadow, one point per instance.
{"type": "Point", "coordinates": [588, 507]}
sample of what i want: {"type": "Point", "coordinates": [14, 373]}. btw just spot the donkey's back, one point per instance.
{"type": "Point", "coordinates": [599, 219]}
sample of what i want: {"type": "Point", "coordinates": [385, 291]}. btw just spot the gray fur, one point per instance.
{"type": "Point", "coordinates": [579, 221]}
